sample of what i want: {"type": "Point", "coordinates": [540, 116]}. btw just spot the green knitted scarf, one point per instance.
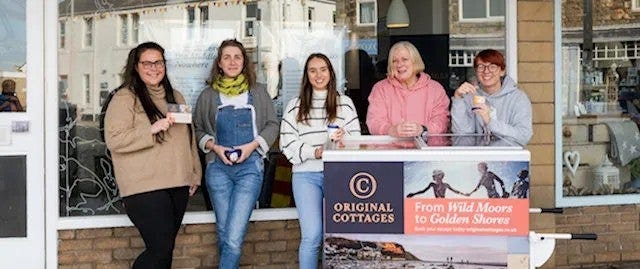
{"type": "Point", "coordinates": [231, 86]}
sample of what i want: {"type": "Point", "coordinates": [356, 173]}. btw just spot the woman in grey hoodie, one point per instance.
{"type": "Point", "coordinates": [495, 105]}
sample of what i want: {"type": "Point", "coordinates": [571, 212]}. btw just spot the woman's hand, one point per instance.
{"type": "Point", "coordinates": [192, 189]}
{"type": "Point", "coordinates": [338, 135]}
{"type": "Point", "coordinates": [484, 111]}
{"type": "Point", "coordinates": [161, 125]}
{"type": "Point", "coordinates": [405, 129]}
{"type": "Point", "coordinates": [246, 150]}
{"type": "Point", "coordinates": [219, 150]}
{"type": "Point", "coordinates": [318, 152]}
{"type": "Point", "coordinates": [465, 88]}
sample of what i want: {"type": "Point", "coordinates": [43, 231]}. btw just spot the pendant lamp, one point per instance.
{"type": "Point", "coordinates": [397, 15]}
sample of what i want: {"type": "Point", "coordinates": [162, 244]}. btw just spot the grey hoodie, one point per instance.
{"type": "Point", "coordinates": [510, 119]}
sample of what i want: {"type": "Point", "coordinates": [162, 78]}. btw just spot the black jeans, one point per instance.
{"type": "Point", "coordinates": [157, 215]}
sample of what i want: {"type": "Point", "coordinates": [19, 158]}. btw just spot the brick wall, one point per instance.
{"type": "Point", "coordinates": [269, 245]}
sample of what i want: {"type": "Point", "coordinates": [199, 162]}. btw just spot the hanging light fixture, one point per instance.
{"type": "Point", "coordinates": [397, 15]}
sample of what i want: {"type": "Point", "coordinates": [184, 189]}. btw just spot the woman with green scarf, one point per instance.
{"type": "Point", "coordinates": [235, 125]}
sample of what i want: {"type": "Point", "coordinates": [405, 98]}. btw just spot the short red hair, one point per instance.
{"type": "Point", "coordinates": [490, 56]}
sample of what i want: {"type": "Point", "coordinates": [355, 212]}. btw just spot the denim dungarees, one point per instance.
{"type": "Point", "coordinates": [234, 189]}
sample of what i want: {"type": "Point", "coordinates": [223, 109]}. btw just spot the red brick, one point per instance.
{"type": "Point", "coordinates": [200, 250]}
{"type": "Point", "coordinates": [607, 218]}
{"type": "Point", "coordinates": [623, 209]}
{"type": "Point", "coordinates": [284, 257]}
{"type": "Point", "coordinates": [590, 210]}
{"type": "Point", "coordinates": [273, 246]}
{"type": "Point", "coordinates": [210, 261]}
{"type": "Point", "coordinates": [93, 233]}
{"type": "Point", "coordinates": [200, 228]}
{"type": "Point", "coordinates": [608, 257]}
{"type": "Point", "coordinates": [136, 242]}
{"type": "Point", "coordinates": [581, 259]}
{"type": "Point", "coordinates": [77, 266]}
{"type": "Point", "coordinates": [285, 234]}
{"type": "Point", "coordinates": [631, 256]}
{"type": "Point", "coordinates": [255, 259]}
{"type": "Point", "coordinates": [208, 238]}
{"type": "Point", "coordinates": [187, 239]}
{"type": "Point", "coordinates": [66, 234]}
{"type": "Point", "coordinates": [185, 262]}
{"type": "Point", "coordinates": [595, 247]}
{"type": "Point", "coordinates": [126, 232]}
{"type": "Point", "coordinates": [581, 219]}
{"type": "Point", "coordinates": [253, 236]}
{"type": "Point", "coordinates": [623, 227]}
{"type": "Point", "coordinates": [82, 244]}
{"type": "Point", "coordinates": [80, 256]}
{"type": "Point", "coordinates": [118, 265]}
{"type": "Point", "coordinates": [127, 253]}
{"type": "Point", "coordinates": [111, 243]}
{"type": "Point", "coordinates": [270, 225]}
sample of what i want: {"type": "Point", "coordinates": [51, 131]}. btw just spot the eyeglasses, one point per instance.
{"type": "Point", "coordinates": [148, 64]}
{"type": "Point", "coordinates": [491, 67]}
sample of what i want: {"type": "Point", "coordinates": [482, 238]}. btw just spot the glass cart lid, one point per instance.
{"type": "Point", "coordinates": [440, 141]}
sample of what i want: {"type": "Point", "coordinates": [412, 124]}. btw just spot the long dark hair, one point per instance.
{"type": "Point", "coordinates": [133, 82]}
{"type": "Point", "coordinates": [247, 66]}
{"type": "Point", "coordinates": [306, 92]}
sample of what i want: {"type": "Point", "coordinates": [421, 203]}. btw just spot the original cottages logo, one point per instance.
{"type": "Point", "coordinates": [363, 186]}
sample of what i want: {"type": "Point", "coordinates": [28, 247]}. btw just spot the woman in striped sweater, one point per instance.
{"type": "Point", "coordinates": [303, 133]}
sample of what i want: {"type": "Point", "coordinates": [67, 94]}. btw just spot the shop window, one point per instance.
{"type": "Point", "coordinates": [366, 12]}
{"type": "Point", "coordinates": [310, 14]}
{"type": "Point", "coordinates": [598, 85]}
{"type": "Point", "coordinates": [191, 15]}
{"type": "Point", "coordinates": [87, 182]}
{"type": "Point", "coordinates": [135, 25]}
{"type": "Point", "coordinates": [251, 15]}
{"type": "Point", "coordinates": [204, 14]}
{"type": "Point", "coordinates": [481, 9]}
{"type": "Point", "coordinates": [88, 32]}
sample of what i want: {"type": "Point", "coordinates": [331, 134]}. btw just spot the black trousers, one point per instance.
{"type": "Point", "coordinates": [157, 215]}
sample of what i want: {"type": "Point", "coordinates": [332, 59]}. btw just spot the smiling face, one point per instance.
{"type": "Point", "coordinates": [489, 75]}
{"type": "Point", "coordinates": [403, 66]}
{"type": "Point", "coordinates": [318, 73]}
{"type": "Point", "coordinates": [231, 61]}
{"type": "Point", "coordinates": [151, 67]}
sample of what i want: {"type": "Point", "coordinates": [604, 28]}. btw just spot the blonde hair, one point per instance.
{"type": "Point", "coordinates": [418, 64]}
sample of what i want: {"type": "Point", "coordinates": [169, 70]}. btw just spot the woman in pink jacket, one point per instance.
{"type": "Point", "coordinates": [408, 102]}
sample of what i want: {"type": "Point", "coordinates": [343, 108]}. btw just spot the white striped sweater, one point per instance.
{"type": "Point", "coordinates": [299, 140]}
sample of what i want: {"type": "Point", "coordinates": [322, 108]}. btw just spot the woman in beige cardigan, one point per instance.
{"type": "Point", "coordinates": [155, 161]}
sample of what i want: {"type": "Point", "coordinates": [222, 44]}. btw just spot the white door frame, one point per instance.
{"type": "Point", "coordinates": [50, 49]}
{"type": "Point", "coordinates": [29, 251]}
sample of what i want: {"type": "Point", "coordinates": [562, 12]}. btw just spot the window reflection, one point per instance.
{"type": "Point", "coordinates": [601, 98]}
{"type": "Point", "coordinates": [13, 56]}
{"type": "Point", "coordinates": [279, 35]}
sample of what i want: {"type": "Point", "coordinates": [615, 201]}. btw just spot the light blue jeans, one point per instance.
{"type": "Point", "coordinates": [234, 191]}
{"type": "Point", "coordinates": [308, 192]}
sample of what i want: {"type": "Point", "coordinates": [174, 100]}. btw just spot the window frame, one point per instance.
{"type": "Point", "coordinates": [635, 5]}
{"type": "Point", "coordinates": [375, 12]}
{"type": "Point", "coordinates": [487, 18]}
{"type": "Point", "coordinates": [123, 30]}
{"type": "Point", "coordinates": [246, 19]}
{"type": "Point", "coordinates": [62, 34]}
{"type": "Point", "coordinates": [87, 32]}
{"type": "Point", "coordinates": [560, 199]}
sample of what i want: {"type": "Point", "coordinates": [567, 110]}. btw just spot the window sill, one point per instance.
{"type": "Point", "coordinates": [202, 217]}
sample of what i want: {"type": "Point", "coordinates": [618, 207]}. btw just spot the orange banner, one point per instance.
{"type": "Point", "coordinates": [466, 216]}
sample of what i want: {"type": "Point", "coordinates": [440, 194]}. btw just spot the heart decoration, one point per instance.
{"type": "Point", "coordinates": [572, 161]}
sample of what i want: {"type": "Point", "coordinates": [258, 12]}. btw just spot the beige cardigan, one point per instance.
{"type": "Point", "coordinates": [141, 164]}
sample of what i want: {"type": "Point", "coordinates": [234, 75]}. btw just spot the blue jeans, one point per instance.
{"type": "Point", "coordinates": [234, 191]}
{"type": "Point", "coordinates": [308, 191]}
